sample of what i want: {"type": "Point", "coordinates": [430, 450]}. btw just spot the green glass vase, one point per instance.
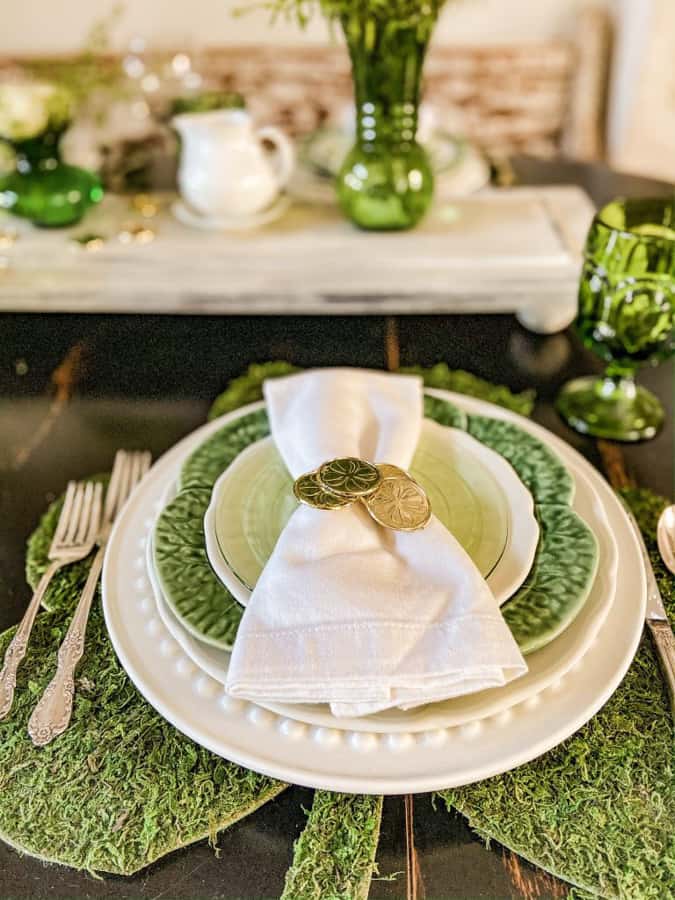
{"type": "Point", "coordinates": [626, 315]}
{"type": "Point", "coordinates": [44, 189]}
{"type": "Point", "coordinates": [386, 181]}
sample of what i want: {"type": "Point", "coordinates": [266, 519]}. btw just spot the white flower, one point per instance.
{"type": "Point", "coordinates": [28, 108]}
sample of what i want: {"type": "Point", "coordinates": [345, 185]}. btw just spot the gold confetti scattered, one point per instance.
{"type": "Point", "coordinates": [146, 205]}
{"type": "Point", "coordinates": [8, 237]}
{"type": "Point", "coordinates": [89, 242]}
{"type": "Point", "coordinates": [135, 233]}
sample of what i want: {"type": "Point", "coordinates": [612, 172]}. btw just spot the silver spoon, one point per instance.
{"type": "Point", "coordinates": [665, 537]}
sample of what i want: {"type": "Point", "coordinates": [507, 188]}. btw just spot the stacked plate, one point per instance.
{"type": "Point", "coordinates": [459, 167]}
{"type": "Point", "coordinates": [543, 527]}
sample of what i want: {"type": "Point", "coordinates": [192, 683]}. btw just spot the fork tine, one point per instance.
{"type": "Point", "coordinates": [118, 471]}
{"type": "Point", "coordinates": [133, 478]}
{"type": "Point", "coordinates": [125, 482]}
{"type": "Point", "coordinates": [129, 482]}
{"type": "Point", "coordinates": [137, 472]}
{"type": "Point", "coordinates": [64, 517]}
{"type": "Point", "coordinates": [95, 515]}
{"type": "Point", "coordinates": [85, 512]}
{"type": "Point", "coordinates": [144, 461]}
{"type": "Point", "coordinates": [75, 514]}
{"type": "Point", "coordinates": [147, 462]}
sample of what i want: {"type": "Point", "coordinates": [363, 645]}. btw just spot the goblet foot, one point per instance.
{"type": "Point", "coordinates": [606, 408]}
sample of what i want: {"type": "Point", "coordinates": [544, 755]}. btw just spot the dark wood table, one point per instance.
{"type": "Point", "coordinates": [73, 388]}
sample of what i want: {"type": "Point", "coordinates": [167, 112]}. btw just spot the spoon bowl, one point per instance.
{"type": "Point", "coordinates": [665, 537]}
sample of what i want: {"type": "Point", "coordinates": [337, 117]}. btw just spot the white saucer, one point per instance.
{"type": "Point", "coordinates": [187, 216]}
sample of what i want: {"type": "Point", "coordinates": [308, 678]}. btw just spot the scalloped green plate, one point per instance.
{"type": "Point", "coordinates": [540, 470]}
{"type": "Point", "coordinates": [205, 607]}
{"type": "Point", "coordinates": [549, 599]}
{"type": "Point", "coordinates": [559, 582]}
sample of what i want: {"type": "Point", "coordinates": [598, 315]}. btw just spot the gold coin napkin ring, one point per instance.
{"type": "Point", "coordinates": [393, 499]}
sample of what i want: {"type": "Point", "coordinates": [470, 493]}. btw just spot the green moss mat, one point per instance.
{"type": "Point", "coordinates": [248, 387]}
{"type": "Point", "coordinates": [334, 857]}
{"type": "Point", "coordinates": [599, 810]}
{"type": "Point", "coordinates": [121, 787]}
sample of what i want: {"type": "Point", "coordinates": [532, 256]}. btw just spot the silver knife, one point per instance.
{"type": "Point", "coordinates": [657, 620]}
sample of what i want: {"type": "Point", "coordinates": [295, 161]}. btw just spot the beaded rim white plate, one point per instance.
{"type": "Point", "coordinates": [545, 666]}
{"type": "Point", "coordinates": [346, 759]}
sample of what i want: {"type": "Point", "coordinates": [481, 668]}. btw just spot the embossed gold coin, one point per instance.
{"type": "Point", "coordinates": [349, 476]}
{"type": "Point", "coordinates": [399, 503]}
{"type": "Point", "coordinates": [387, 470]}
{"type": "Point", "coordinates": [309, 490]}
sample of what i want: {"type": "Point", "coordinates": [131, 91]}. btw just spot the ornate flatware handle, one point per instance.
{"type": "Point", "coordinates": [52, 714]}
{"type": "Point", "coordinates": [664, 643]}
{"type": "Point", "coordinates": [19, 644]}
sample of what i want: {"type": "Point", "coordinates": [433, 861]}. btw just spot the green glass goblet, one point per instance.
{"type": "Point", "coordinates": [625, 315]}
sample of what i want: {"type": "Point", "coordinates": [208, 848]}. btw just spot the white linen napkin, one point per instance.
{"type": "Point", "coordinates": [345, 611]}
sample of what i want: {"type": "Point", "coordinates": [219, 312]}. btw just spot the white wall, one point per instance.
{"type": "Point", "coordinates": [642, 113]}
{"type": "Point", "coordinates": [29, 26]}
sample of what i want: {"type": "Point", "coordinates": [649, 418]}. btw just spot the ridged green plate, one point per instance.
{"type": "Point", "coordinates": [560, 579]}
{"type": "Point", "coordinates": [202, 603]}
{"type": "Point", "coordinates": [549, 599]}
{"type": "Point", "coordinates": [205, 607]}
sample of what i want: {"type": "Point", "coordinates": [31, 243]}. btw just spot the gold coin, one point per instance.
{"type": "Point", "coordinates": [399, 503]}
{"type": "Point", "coordinates": [387, 470]}
{"type": "Point", "coordinates": [349, 476]}
{"type": "Point", "coordinates": [309, 490]}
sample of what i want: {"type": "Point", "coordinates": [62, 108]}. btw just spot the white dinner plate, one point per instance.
{"type": "Point", "coordinates": [545, 666]}
{"type": "Point", "coordinates": [474, 492]}
{"type": "Point", "coordinates": [345, 759]}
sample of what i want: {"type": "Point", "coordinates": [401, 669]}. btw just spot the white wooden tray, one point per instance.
{"type": "Point", "coordinates": [516, 250]}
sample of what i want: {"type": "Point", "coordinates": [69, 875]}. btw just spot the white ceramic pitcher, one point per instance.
{"type": "Point", "coordinates": [224, 170]}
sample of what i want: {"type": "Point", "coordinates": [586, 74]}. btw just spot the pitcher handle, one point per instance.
{"type": "Point", "coordinates": [284, 150]}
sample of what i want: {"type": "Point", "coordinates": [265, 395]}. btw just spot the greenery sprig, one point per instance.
{"type": "Point", "coordinates": [397, 13]}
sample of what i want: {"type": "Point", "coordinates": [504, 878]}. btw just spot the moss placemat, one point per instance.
{"type": "Point", "coordinates": [599, 809]}
{"type": "Point", "coordinates": [122, 787]}
{"type": "Point", "coordinates": [335, 855]}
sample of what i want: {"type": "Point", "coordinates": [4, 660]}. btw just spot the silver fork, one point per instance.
{"type": "Point", "coordinates": [73, 539]}
{"type": "Point", "coordinates": [52, 714]}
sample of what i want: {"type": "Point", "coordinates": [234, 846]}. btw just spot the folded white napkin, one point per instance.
{"type": "Point", "coordinates": [347, 612]}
